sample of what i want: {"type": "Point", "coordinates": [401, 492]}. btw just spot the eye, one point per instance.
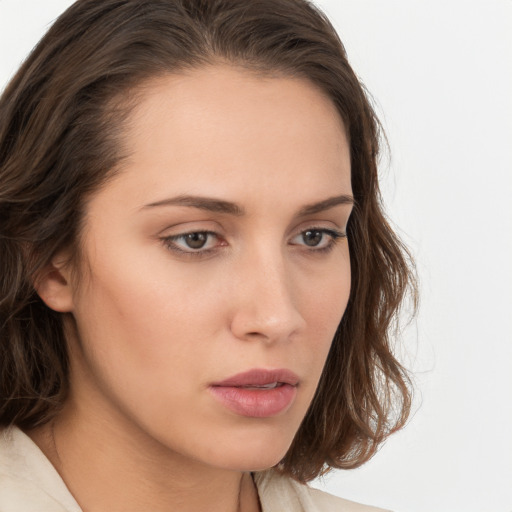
{"type": "Point", "coordinates": [196, 242]}
{"type": "Point", "coordinates": [318, 239]}
{"type": "Point", "coordinates": [313, 238]}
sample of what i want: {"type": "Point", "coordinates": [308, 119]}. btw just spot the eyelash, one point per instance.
{"type": "Point", "coordinates": [170, 242]}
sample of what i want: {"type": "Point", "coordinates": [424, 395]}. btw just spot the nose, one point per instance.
{"type": "Point", "coordinates": [266, 301]}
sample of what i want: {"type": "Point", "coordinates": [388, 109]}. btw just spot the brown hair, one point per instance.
{"type": "Point", "coordinates": [61, 118]}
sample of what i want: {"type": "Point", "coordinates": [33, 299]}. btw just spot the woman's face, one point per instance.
{"type": "Point", "coordinates": [218, 250]}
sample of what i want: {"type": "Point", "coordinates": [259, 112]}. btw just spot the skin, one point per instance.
{"type": "Point", "coordinates": [150, 327]}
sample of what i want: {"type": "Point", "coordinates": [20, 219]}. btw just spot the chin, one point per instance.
{"type": "Point", "coordinates": [255, 453]}
{"type": "Point", "coordinates": [246, 462]}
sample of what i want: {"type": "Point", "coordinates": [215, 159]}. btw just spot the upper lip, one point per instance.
{"type": "Point", "coordinates": [260, 377]}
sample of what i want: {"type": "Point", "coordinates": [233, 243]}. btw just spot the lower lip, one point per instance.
{"type": "Point", "coordinates": [255, 403]}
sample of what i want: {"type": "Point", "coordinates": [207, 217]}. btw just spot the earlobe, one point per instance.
{"type": "Point", "coordinates": [54, 286]}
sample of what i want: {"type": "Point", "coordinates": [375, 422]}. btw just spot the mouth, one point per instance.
{"type": "Point", "coordinates": [273, 385]}
{"type": "Point", "coordinates": [259, 378]}
{"type": "Point", "coordinates": [257, 393]}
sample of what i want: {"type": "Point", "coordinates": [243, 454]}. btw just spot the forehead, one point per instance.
{"type": "Point", "coordinates": [224, 130]}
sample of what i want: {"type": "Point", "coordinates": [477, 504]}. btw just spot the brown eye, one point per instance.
{"type": "Point", "coordinates": [195, 240]}
{"type": "Point", "coordinates": [312, 238]}
{"type": "Point", "coordinates": [317, 240]}
{"type": "Point", "coordinates": [193, 243]}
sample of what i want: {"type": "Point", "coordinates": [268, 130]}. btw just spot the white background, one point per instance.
{"type": "Point", "coordinates": [440, 74]}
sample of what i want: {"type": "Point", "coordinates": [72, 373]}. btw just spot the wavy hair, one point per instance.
{"type": "Point", "coordinates": [61, 121]}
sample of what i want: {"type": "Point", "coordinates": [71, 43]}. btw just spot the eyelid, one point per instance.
{"type": "Point", "coordinates": [193, 226]}
{"type": "Point", "coordinates": [334, 234]}
{"type": "Point", "coordinates": [338, 229]}
{"type": "Point", "coordinates": [330, 230]}
{"type": "Point", "coordinates": [170, 242]}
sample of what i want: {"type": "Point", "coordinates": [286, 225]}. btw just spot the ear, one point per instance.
{"type": "Point", "coordinates": [54, 285]}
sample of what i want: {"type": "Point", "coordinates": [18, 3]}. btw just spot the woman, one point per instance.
{"type": "Point", "coordinates": [197, 275]}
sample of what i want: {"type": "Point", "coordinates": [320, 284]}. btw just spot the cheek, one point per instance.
{"type": "Point", "coordinates": [139, 287]}
{"type": "Point", "coordinates": [145, 346]}
{"type": "Point", "coordinates": [325, 296]}
{"type": "Point", "coordinates": [138, 319]}
{"type": "Point", "coordinates": [323, 307]}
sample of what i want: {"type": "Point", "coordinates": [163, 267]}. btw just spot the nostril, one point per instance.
{"type": "Point", "coordinates": [250, 324]}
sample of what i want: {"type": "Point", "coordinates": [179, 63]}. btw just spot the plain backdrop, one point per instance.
{"type": "Point", "coordinates": [440, 75]}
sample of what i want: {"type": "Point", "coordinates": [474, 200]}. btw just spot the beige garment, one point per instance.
{"type": "Point", "coordinates": [29, 483]}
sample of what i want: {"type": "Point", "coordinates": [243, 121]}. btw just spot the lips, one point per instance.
{"type": "Point", "coordinates": [257, 393]}
{"type": "Point", "coordinates": [257, 377]}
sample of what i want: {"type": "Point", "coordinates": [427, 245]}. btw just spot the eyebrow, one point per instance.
{"type": "Point", "coordinates": [203, 203]}
{"type": "Point", "coordinates": [331, 202]}
{"type": "Point", "coordinates": [220, 206]}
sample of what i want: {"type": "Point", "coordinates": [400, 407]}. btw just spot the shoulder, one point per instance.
{"type": "Point", "coordinates": [327, 502]}
{"type": "Point", "coordinates": [278, 493]}
{"type": "Point", "coordinates": [28, 481]}
{"type": "Point", "coordinates": [18, 495]}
